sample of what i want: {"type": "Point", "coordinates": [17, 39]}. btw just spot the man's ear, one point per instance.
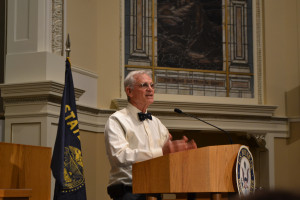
{"type": "Point", "coordinates": [128, 91]}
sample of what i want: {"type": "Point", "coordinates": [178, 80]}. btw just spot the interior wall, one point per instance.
{"type": "Point", "coordinates": [94, 28]}
{"type": "Point", "coordinates": [109, 52]}
{"type": "Point", "coordinates": [82, 28]}
{"type": "Point", "coordinates": [282, 74]}
{"type": "Point", "coordinates": [281, 51]}
{"type": "Point", "coordinates": [287, 164]}
{"type": "Point", "coordinates": [96, 165]}
{"type": "Point", "coordinates": [287, 174]}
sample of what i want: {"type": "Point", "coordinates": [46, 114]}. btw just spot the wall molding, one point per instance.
{"type": "Point", "coordinates": [207, 108]}
{"type": "Point", "coordinates": [34, 91]}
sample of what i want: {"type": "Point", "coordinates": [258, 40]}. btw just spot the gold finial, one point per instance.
{"type": "Point", "coordinates": [68, 45]}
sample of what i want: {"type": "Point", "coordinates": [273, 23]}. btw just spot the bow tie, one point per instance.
{"type": "Point", "coordinates": [143, 116]}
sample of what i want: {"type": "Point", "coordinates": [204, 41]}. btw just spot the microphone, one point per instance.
{"type": "Point", "coordinates": [180, 112]}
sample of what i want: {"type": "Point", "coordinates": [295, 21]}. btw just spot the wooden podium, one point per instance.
{"type": "Point", "coordinates": [25, 172]}
{"type": "Point", "coordinates": [204, 170]}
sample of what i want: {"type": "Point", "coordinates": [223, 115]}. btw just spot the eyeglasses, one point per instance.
{"type": "Point", "coordinates": [146, 85]}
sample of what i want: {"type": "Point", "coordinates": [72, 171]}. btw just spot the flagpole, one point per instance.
{"type": "Point", "coordinates": [66, 163]}
{"type": "Point", "coordinates": [68, 45]}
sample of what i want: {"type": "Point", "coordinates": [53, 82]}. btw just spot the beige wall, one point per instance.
{"type": "Point", "coordinates": [96, 165]}
{"type": "Point", "coordinates": [282, 75]}
{"type": "Point", "coordinates": [94, 27]}
{"type": "Point", "coordinates": [281, 51]}
{"type": "Point", "coordinates": [109, 52]}
{"type": "Point", "coordinates": [287, 164]}
{"type": "Point", "coordinates": [82, 27]}
{"type": "Point", "coordinates": [287, 160]}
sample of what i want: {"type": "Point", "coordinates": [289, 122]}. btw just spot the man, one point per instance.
{"type": "Point", "coordinates": [133, 135]}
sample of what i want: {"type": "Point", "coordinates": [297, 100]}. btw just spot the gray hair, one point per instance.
{"type": "Point", "coordinates": [130, 80]}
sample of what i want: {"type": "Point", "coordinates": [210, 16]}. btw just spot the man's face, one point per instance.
{"type": "Point", "coordinates": [141, 96]}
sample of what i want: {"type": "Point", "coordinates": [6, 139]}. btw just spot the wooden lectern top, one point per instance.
{"type": "Point", "coordinates": [206, 169]}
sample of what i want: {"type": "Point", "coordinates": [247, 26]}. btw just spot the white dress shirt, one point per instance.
{"type": "Point", "coordinates": [128, 140]}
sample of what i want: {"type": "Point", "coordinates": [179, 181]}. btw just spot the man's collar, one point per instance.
{"type": "Point", "coordinates": [134, 110]}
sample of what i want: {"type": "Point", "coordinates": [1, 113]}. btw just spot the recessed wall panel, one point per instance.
{"type": "Point", "coordinates": [26, 133]}
{"type": "Point", "coordinates": [22, 20]}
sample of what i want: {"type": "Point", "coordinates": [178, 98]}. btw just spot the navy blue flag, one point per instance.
{"type": "Point", "coordinates": [66, 164]}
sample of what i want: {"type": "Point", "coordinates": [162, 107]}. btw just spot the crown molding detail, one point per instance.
{"type": "Point", "coordinates": [252, 119]}
{"type": "Point", "coordinates": [206, 108]}
{"type": "Point", "coordinates": [36, 91]}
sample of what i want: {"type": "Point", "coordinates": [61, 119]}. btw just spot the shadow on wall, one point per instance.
{"type": "Point", "coordinates": [292, 99]}
{"type": "Point", "coordinates": [1, 130]}
{"type": "Point", "coordinates": [294, 132]}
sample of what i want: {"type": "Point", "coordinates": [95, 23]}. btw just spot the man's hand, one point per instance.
{"type": "Point", "coordinates": [172, 146]}
{"type": "Point", "coordinates": [192, 144]}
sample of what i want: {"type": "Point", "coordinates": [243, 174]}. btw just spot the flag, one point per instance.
{"type": "Point", "coordinates": [66, 164]}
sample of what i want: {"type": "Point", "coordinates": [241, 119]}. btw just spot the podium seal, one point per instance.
{"type": "Point", "coordinates": [245, 172]}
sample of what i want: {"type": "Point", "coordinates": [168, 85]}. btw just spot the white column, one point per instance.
{"type": "Point", "coordinates": [35, 68]}
{"type": "Point", "coordinates": [30, 42]}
